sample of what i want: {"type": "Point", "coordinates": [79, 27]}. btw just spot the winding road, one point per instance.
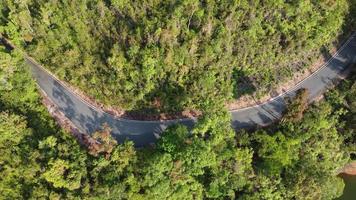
{"type": "Point", "coordinates": [89, 119]}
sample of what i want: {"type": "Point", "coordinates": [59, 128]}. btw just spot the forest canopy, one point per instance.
{"type": "Point", "coordinates": [168, 55]}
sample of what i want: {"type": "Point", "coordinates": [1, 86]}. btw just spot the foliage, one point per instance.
{"type": "Point", "coordinates": [189, 166]}
{"type": "Point", "coordinates": [13, 131]}
{"type": "Point", "coordinates": [292, 160]}
{"type": "Point", "coordinates": [299, 160]}
{"type": "Point", "coordinates": [344, 101]}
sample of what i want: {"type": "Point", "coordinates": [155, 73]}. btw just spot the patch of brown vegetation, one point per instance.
{"type": "Point", "coordinates": [104, 142]}
{"type": "Point", "coordinates": [296, 106]}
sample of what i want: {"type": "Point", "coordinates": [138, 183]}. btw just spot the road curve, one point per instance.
{"type": "Point", "coordinates": [89, 119]}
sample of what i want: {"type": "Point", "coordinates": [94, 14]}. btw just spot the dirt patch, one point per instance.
{"type": "Point", "coordinates": [349, 169]}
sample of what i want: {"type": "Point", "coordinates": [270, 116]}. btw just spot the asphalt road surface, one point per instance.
{"type": "Point", "coordinates": [89, 119]}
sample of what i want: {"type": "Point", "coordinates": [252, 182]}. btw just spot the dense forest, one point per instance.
{"type": "Point", "coordinates": [295, 159]}
{"type": "Point", "coordinates": [168, 55]}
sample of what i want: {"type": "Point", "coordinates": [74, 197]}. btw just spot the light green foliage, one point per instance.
{"type": "Point", "coordinates": [10, 133]}
{"type": "Point", "coordinates": [7, 69]}
{"type": "Point", "coordinates": [276, 151]}
{"type": "Point", "coordinates": [266, 188]}
{"type": "Point", "coordinates": [13, 162]}
{"type": "Point", "coordinates": [56, 172]}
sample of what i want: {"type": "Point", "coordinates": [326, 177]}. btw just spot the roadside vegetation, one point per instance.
{"type": "Point", "coordinates": [295, 159]}
{"type": "Point", "coordinates": [169, 56]}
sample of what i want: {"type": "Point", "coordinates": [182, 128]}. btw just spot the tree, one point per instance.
{"type": "Point", "coordinates": [277, 152]}
{"type": "Point", "coordinates": [297, 106]}
{"type": "Point", "coordinates": [16, 169]}
{"type": "Point", "coordinates": [102, 142]}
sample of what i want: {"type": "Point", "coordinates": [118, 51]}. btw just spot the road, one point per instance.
{"type": "Point", "coordinates": [89, 119]}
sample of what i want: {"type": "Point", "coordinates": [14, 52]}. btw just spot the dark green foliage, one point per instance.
{"type": "Point", "coordinates": [344, 100]}
{"type": "Point", "coordinates": [170, 55]}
